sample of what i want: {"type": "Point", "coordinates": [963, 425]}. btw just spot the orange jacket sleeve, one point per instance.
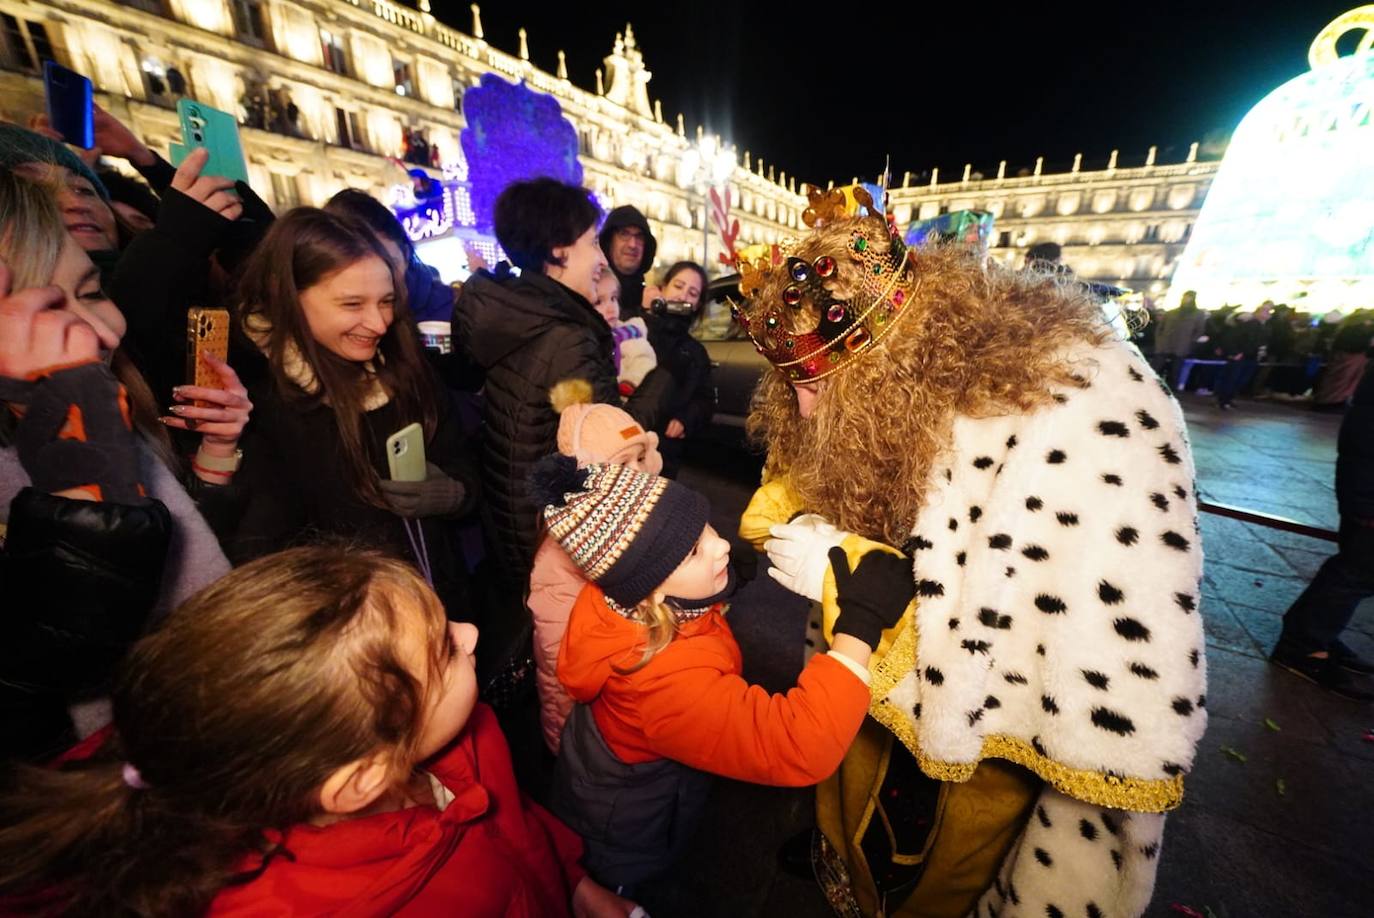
{"type": "Point", "coordinates": [717, 722]}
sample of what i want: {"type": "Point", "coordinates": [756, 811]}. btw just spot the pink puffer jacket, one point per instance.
{"type": "Point", "coordinates": [554, 585]}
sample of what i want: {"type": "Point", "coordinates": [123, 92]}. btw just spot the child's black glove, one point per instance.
{"type": "Point", "coordinates": [873, 596]}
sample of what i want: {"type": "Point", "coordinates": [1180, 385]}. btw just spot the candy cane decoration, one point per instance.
{"type": "Point", "coordinates": [727, 228]}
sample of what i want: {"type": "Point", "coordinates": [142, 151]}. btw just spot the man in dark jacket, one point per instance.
{"type": "Point", "coordinates": [1310, 645]}
{"type": "Point", "coordinates": [630, 248]}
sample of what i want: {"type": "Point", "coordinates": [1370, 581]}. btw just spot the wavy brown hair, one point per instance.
{"type": "Point", "coordinates": [301, 249]}
{"type": "Point", "coordinates": [234, 712]}
{"type": "Point", "coordinates": [974, 340]}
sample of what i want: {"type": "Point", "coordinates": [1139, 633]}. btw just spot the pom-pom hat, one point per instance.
{"type": "Point", "coordinates": [626, 530]}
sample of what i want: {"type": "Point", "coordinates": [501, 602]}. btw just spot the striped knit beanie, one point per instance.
{"type": "Point", "coordinates": [627, 531]}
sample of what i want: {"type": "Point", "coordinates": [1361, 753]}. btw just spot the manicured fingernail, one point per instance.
{"type": "Point", "coordinates": [177, 409]}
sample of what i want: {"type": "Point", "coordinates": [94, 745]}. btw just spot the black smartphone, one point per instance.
{"type": "Point", "coordinates": [71, 107]}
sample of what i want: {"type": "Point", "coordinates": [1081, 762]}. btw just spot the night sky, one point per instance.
{"type": "Point", "coordinates": [828, 96]}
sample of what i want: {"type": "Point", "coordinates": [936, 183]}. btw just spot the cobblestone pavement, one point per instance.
{"type": "Point", "coordinates": [1281, 833]}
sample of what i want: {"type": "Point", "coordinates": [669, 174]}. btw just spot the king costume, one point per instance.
{"type": "Point", "coordinates": [1034, 715]}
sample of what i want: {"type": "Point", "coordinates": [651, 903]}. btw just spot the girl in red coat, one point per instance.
{"type": "Point", "coordinates": [300, 738]}
{"type": "Point", "coordinates": [656, 671]}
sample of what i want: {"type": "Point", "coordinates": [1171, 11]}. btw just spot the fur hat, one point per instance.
{"type": "Point", "coordinates": [596, 432]}
{"type": "Point", "coordinates": [627, 531]}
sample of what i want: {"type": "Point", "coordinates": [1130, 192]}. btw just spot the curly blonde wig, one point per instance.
{"type": "Point", "coordinates": [973, 340]}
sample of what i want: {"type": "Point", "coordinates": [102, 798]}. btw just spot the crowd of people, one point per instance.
{"type": "Point", "coordinates": [1274, 350]}
{"type": "Point", "coordinates": [255, 671]}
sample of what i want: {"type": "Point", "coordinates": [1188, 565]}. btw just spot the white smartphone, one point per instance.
{"type": "Point", "coordinates": [405, 453]}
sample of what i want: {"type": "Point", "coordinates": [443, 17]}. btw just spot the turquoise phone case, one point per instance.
{"type": "Point", "coordinates": [216, 131]}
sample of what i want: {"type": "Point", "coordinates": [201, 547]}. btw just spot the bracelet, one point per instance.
{"type": "Point", "coordinates": [202, 470]}
{"type": "Point", "coordinates": [223, 465]}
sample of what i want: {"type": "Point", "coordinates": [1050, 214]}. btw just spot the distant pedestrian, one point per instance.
{"type": "Point", "coordinates": [1310, 645]}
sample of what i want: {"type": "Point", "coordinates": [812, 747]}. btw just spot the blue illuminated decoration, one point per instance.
{"type": "Point", "coordinates": [514, 133]}
{"type": "Point", "coordinates": [1291, 211]}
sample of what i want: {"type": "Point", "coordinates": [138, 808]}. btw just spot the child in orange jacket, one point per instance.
{"type": "Point", "coordinates": [302, 737]}
{"type": "Point", "coordinates": [656, 669]}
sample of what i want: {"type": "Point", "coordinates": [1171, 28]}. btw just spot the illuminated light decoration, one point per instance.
{"type": "Point", "coordinates": [426, 223]}
{"type": "Point", "coordinates": [514, 133]}
{"type": "Point", "coordinates": [1288, 214]}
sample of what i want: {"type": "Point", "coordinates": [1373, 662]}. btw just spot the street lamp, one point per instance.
{"type": "Point", "coordinates": [706, 165]}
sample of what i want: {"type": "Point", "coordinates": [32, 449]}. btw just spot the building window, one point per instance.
{"type": "Point", "coordinates": [250, 21]}
{"type": "Point", "coordinates": [26, 44]}
{"type": "Point", "coordinates": [459, 87]}
{"type": "Point", "coordinates": [285, 190]}
{"type": "Point", "coordinates": [156, 82]}
{"type": "Point", "coordinates": [333, 47]}
{"type": "Point", "coordinates": [148, 6]}
{"type": "Point", "coordinates": [400, 72]}
{"type": "Point", "coordinates": [346, 123]}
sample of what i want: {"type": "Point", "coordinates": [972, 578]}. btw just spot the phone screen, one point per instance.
{"type": "Point", "coordinates": [71, 107]}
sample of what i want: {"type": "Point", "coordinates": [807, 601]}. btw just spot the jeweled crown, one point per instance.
{"type": "Point", "coordinates": [805, 330]}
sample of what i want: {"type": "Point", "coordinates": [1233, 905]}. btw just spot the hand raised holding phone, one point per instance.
{"type": "Point", "coordinates": [210, 191]}
{"type": "Point", "coordinates": [218, 413]}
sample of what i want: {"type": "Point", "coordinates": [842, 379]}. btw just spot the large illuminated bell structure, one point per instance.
{"type": "Point", "coordinates": [1290, 216]}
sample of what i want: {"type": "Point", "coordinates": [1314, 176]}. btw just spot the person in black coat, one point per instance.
{"type": "Point", "coordinates": [1310, 643]}
{"type": "Point", "coordinates": [345, 371]}
{"type": "Point", "coordinates": [691, 401]}
{"type": "Point", "coordinates": [1241, 340]}
{"type": "Point", "coordinates": [527, 333]}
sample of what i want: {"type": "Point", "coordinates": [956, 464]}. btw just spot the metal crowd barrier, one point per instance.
{"type": "Point", "coordinates": [1265, 519]}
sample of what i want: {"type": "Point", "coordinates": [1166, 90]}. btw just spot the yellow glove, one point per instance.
{"type": "Point", "coordinates": [772, 503]}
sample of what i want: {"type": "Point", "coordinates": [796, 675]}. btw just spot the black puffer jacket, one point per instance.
{"type": "Point", "coordinates": [528, 333]}
{"type": "Point", "coordinates": [79, 579]}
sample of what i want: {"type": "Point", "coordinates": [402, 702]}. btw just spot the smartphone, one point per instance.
{"type": "Point", "coordinates": [71, 110]}
{"type": "Point", "coordinates": [216, 131]}
{"type": "Point", "coordinates": [207, 332]}
{"type": "Point", "coordinates": [405, 453]}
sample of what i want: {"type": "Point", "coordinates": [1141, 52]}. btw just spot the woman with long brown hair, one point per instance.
{"type": "Point", "coordinates": [327, 309]}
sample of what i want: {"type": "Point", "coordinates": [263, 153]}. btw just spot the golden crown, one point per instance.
{"type": "Point", "coordinates": [808, 333]}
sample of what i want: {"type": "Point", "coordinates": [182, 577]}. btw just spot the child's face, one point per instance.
{"type": "Point", "coordinates": [607, 300]}
{"type": "Point", "coordinates": [641, 455]}
{"type": "Point", "coordinates": [704, 572]}
{"type": "Point", "coordinates": [450, 700]}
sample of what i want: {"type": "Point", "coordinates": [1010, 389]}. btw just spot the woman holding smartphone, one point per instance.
{"type": "Point", "coordinates": [327, 309]}
{"type": "Point", "coordinates": [104, 531]}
